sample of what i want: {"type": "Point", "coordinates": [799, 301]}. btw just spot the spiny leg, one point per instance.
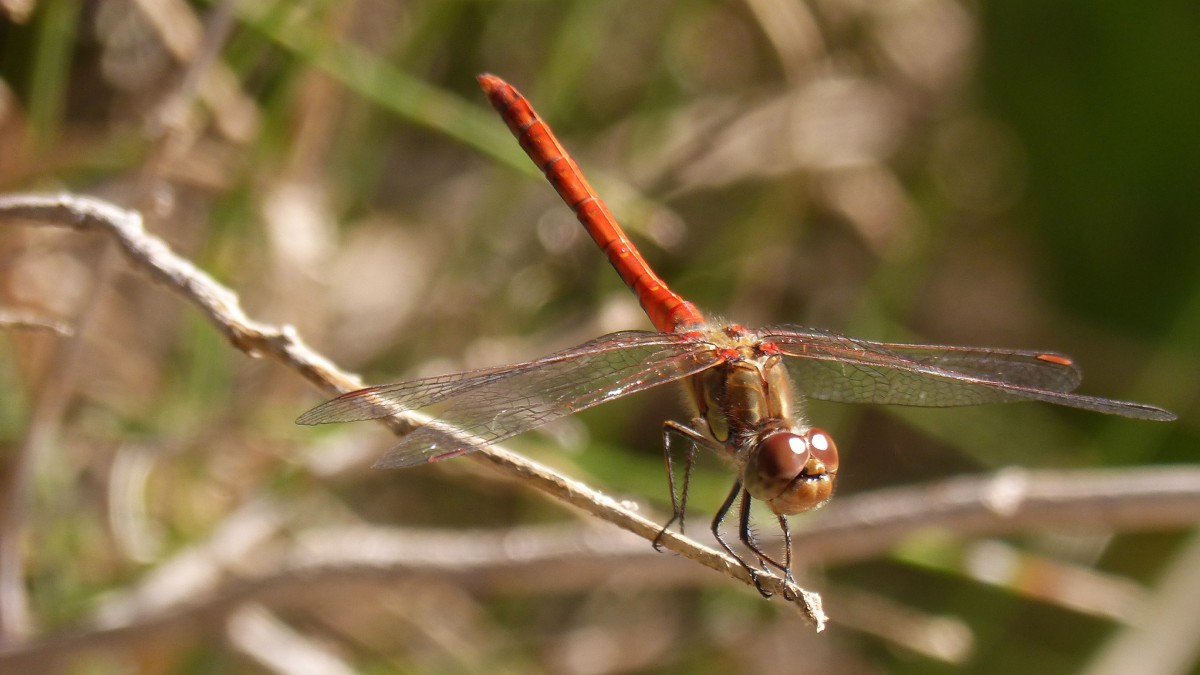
{"type": "Point", "coordinates": [720, 518]}
{"type": "Point", "coordinates": [786, 567]}
{"type": "Point", "coordinates": [678, 499]}
{"type": "Point", "coordinates": [787, 549]}
{"type": "Point", "coordinates": [716, 530]}
{"type": "Point", "coordinates": [746, 534]}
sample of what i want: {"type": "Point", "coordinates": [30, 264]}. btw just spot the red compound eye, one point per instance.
{"type": "Point", "coordinates": [781, 457]}
{"type": "Point", "coordinates": [822, 449]}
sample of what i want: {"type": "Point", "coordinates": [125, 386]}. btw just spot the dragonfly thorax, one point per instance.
{"type": "Point", "coordinates": [749, 407]}
{"type": "Point", "coordinates": [743, 397]}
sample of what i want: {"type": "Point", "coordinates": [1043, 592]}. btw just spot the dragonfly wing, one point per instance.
{"type": "Point", "coordinates": [835, 367]}
{"type": "Point", "coordinates": [392, 399]}
{"type": "Point", "coordinates": [527, 398]}
{"type": "Point", "coordinates": [483, 407]}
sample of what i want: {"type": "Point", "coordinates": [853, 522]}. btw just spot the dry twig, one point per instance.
{"type": "Point", "coordinates": [220, 305]}
{"type": "Point", "coordinates": [853, 528]}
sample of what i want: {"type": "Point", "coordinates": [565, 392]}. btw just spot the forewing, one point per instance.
{"type": "Point", "coordinates": [835, 367]}
{"type": "Point", "coordinates": [484, 407]}
{"type": "Point", "coordinates": [391, 399]}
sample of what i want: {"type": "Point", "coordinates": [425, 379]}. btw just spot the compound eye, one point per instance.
{"type": "Point", "coordinates": [782, 457]}
{"type": "Point", "coordinates": [822, 448]}
{"type": "Point", "coordinates": [813, 486]}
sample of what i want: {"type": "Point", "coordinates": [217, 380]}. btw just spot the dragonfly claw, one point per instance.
{"type": "Point", "coordinates": [757, 577]}
{"type": "Point", "coordinates": [657, 543]}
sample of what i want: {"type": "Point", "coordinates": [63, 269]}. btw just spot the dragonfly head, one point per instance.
{"type": "Point", "coordinates": [792, 472]}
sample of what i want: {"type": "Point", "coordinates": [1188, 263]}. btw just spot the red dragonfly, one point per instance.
{"type": "Point", "coordinates": [746, 385]}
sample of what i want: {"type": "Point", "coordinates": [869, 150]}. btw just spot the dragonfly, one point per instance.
{"type": "Point", "coordinates": [746, 387]}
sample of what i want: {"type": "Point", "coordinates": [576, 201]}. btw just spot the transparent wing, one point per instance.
{"type": "Point", "coordinates": [482, 407]}
{"type": "Point", "coordinates": [835, 367]}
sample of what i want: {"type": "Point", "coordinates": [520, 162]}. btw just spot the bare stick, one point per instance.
{"type": "Point", "coordinates": [151, 255]}
{"type": "Point", "coordinates": [1011, 500]}
{"type": "Point", "coordinates": [535, 557]}
{"type": "Point", "coordinates": [16, 318]}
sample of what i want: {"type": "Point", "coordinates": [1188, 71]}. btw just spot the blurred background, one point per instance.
{"type": "Point", "coordinates": [1015, 174]}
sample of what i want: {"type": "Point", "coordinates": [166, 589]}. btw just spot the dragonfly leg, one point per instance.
{"type": "Point", "coordinates": [716, 530]}
{"type": "Point", "coordinates": [787, 549]}
{"type": "Point", "coordinates": [678, 498]}
{"type": "Point", "coordinates": [787, 559]}
{"type": "Point", "coordinates": [746, 534]}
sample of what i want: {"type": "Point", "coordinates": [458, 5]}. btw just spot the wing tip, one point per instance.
{"type": "Point", "coordinates": [1156, 414]}
{"type": "Point", "coordinates": [1139, 411]}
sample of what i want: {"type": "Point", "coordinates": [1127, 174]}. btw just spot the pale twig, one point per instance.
{"type": "Point", "coordinates": [1012, 500]}
{"type": "Point", "coordinates": [171, 143]}
{"type": "Point", "coordinates": [944, 638]}
{"type": "Point", "coordinates": [277, 647]}
{"type": "Point", "coordinates": [16, 318]}
{"type": "Point", "coordinates": [196, 591]}
{"type": "Point", "coordinates": [346, 558]}
{"type": "Point", "coordinates": [220, 305]}
{"type": "Point", "coordinates": [1166, 636]}
{"type": "Point", "coordinates": [17, 619]}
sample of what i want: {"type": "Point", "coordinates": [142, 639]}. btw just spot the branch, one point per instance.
{"type": "Point", "coordinates": [220, 305]}
{"type": "Point", "coordinates": [1011, 500]}
{"type": "Point", "coordinates": [16, 318]}
{"type": "Point", "coordinates": [546, 558]}
{"type": "Point", "coordinates": [341, 559]}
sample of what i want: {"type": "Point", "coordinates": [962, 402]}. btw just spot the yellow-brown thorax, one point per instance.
{"type": "Point", "coordinates": [750, 408]}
